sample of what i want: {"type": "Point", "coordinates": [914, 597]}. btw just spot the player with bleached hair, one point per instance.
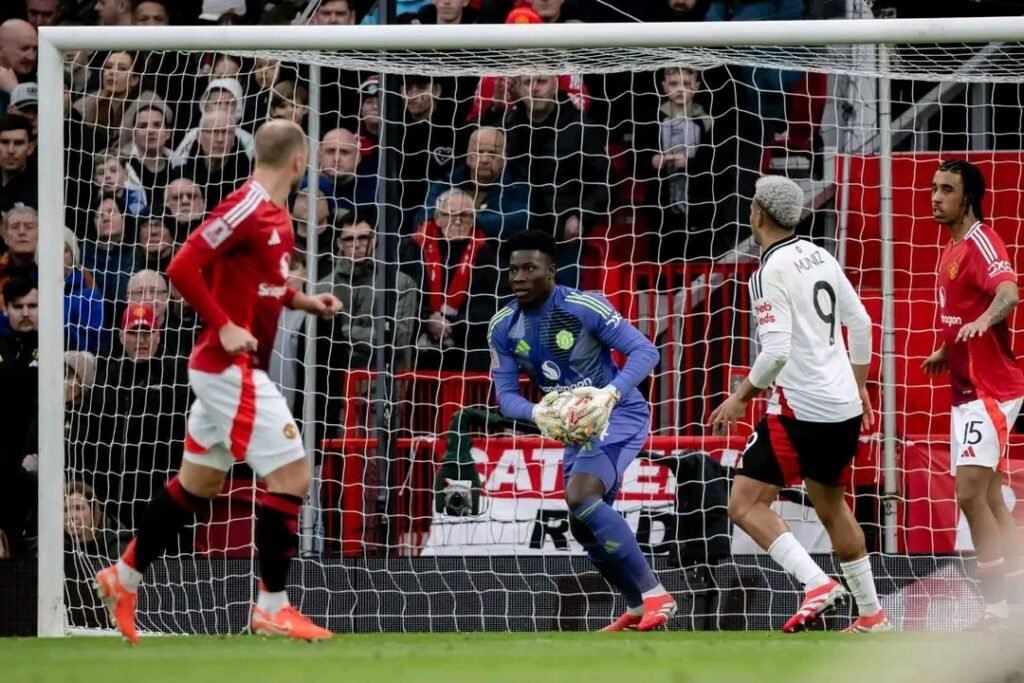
{"type": "Point", "coordinates": [817, 408]}
{"type": "Point", "coordinates": [562, 339]}
{"type": "Point", "coordinates": [233, 270]}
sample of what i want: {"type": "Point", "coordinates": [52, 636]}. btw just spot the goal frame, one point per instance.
{"type": "Point", "coordinates": [53, 41]}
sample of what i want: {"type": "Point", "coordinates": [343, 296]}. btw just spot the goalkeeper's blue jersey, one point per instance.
{"type": "Point", "coordinates": [564, 344]}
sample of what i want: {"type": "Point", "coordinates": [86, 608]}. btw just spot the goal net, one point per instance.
{"type": "Point", "coordinates": [428, 511]}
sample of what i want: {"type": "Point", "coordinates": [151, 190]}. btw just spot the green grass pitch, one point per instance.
{"type": "Point", "coordinates": [675, 657]}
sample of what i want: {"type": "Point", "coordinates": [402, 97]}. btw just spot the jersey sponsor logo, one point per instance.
{"type": "Point", "coordinates": [548, 388]}
{"type": "Point", "coordinates": [216, 232]}
{"type": "Point", "coordinates": [808, 262]}
{"type": "Point", "coordinates": [522, 348]}
{"type": "Point", "coordinates": [275, 291]}
{"type": "Point", "coordinates": [968, 453]}
{"type": "Point", "coordinates": [954, 270]}
{"type": "Point", "coordinates": [942, 297]}
{"type": "Point", "coordinates": [999, 267]}
{"type": "Point", "coordinates": [274, 238]}
{"type": "Point", "coordinates": [550, 371]}
{"type": "Point", "coordinates": [614, 320]}
{"type": "Point", "coordinates": [951, 320]}
{"type": "Point", "coordinates": [564, 340]}
{"type": "Point", "coordinates": [763, 312]}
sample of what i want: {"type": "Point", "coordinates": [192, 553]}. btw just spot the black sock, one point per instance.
{"type": "Point", "coordinates": [165, 516]}
{"type": "Point", "coordinates": [277, 537]}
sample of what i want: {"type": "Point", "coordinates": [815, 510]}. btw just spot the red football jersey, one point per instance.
{"type": "Point", "coordinates": [243, 250]}
{"type": "Point", "coordinates": [969, 272]}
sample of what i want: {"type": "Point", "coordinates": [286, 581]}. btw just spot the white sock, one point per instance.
{"type": "Point", "coordinates": [129, 577]}
{"type": "Point", "coordinates": [792, 557]}
{"type": "Point", "coordinates": [1000, 609]}
{"type": "Point", "coordinates": [654, 592]}
{"type": "Point", "coordinates": [635, 611]}
{"type": "Point", "coordinates": [862, 585]}
{"type": "Point", "coordinates": [271, 602]}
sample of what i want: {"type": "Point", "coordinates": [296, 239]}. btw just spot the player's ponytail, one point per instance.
{"type": "Point", "coordinates": [973, 182]}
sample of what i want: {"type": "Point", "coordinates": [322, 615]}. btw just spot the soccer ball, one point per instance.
{"type": "Point", "coordinates": [573, 410]}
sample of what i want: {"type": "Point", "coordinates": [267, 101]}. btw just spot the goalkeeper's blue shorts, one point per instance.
{"type": "Point", "coordinates": [609, 454]}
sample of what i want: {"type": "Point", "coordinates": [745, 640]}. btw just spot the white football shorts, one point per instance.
{"type": "Point", "coordinates": [239, 414]}
{"type": "Point", "coordinates": [981, 431]}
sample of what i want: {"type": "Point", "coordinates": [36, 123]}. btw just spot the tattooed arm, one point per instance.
{"type": "Point", "coordinates": [1003, 303]}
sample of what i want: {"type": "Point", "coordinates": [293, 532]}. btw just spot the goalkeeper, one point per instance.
{"type": "Point", "coordinates": [562, 340]}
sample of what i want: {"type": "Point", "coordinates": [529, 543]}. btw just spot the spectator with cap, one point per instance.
{"type": "Point", "coordinates": [222, 11]}
{"type": "Point", "coordinates": [151, 288]}
{"type": "Point", "coordinates": [140, 399]}
{"type": "Point", "coordinates": [150, 13]}
{"type": "Point", "coordinates": [222, 95]}
{"type": "Point", "coordinates": [184, 205]}
{"type": "Point", "coordinates": [501, 200]}
{"type": "Point", "coordinates": [345, 176]}
{"type": "Point", "coordinates": [18, 182]}
{"type": "Point", "coordinates": [281, 12]}
{"type": "Point", "coordinates": [458, 269]}
{"type": "Point", "coordinates": [114, 12]}
{"type": "Point", "coordinates": [25, 102]}
{"type": "Point", "coordinates": [150, 122]}
{"type": "Point", "coordinates": [369, 115]}
{"type": "Point", "coordinates": [83, 303]}
{"type": "Point", "coordinates": [19, 50]}
{"type": "Point", "coordinates": [218, 163]}
{"type": "Point", "coordinates": [426, 147]}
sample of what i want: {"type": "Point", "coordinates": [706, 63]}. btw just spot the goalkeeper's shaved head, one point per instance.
{"type": "Point", "coordinates": [277, 141]}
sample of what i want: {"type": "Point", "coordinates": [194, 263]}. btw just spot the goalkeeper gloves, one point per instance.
{"type": "Point", "coordinates": [549, 417]}
{"type": "Point", "coordinates": [588, 416]}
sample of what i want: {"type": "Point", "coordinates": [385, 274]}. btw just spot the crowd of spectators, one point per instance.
{"type": "Point", "coordinates": [154, 140]}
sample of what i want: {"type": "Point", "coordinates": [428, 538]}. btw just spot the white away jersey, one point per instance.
{"type": "Point", "coordinates": [801, 298]}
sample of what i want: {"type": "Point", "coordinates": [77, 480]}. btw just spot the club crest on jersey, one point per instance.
{"type": "Point", "coordinates": [954, 270]}
{"type": "Point", "coordinates": [550, 371]}
{"type": "Point", "coordinates": [564, 340]}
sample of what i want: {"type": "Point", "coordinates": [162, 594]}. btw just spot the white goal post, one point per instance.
{"type": "Point", "coordinates": [825, 46]}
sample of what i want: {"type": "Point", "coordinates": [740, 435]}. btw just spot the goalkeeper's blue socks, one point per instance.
{"type": "Point", "coordinates": [616, 539]}
{"type": "Point", "coordinates": [615, 573]}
